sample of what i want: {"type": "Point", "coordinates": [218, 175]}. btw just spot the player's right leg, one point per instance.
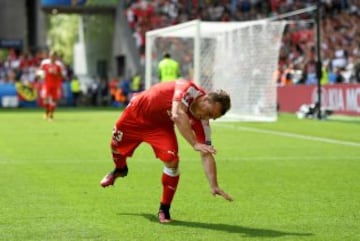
{"type": "Point", "coordinates": [51, 108]}
{"type": "Point", "coordinates": [46, 114]}
{"type": "Point", "coordinates": [120, 170]}
{"type": "Point", "coordinates": [55, 94]}
{"type": "Point", "coordinates": [123, 144]}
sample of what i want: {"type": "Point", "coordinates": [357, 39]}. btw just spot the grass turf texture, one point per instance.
{"type": "Point", "coordinates": [286, 187]}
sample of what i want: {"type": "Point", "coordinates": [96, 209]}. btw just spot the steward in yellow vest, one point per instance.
{"type": "Point", "coordinates": [75, 90]}
{"type": "Point", "coordinates": [168, 69]}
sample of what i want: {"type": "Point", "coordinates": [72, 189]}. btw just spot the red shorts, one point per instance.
{"type": "Point", "coordinates": [128, 134]}
{"type": "Point", "coordinates": [53, 92]}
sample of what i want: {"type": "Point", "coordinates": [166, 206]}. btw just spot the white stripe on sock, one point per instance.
{"type": "Point", "coordinates": [173, 172]}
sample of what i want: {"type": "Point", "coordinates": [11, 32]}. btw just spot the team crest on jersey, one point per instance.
{"type": "Point", "coordinates": [188, 98]}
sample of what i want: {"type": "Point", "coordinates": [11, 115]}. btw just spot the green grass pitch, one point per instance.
{"type": "Point", "coordinates": [291, 180]}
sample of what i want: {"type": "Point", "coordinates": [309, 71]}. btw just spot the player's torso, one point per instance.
{"type": "Point", "coordinates": [154, 106]}
{"type": "Point", "coordinates": [53, 72]}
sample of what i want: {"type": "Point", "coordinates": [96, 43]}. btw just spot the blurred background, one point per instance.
{"type": "Point", "coordinates": [102, 44]}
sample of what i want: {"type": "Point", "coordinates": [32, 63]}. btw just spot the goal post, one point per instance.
{"type": "Point", "coordinates": [239, 57]}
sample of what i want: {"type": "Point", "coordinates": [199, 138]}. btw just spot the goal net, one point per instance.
{"type": "Point", "coordinates": [239, 57]}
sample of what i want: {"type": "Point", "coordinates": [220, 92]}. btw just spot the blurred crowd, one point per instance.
{"type": "Point", "coordinates": [340, 31]}
{"type": "Point", "coordinates": [340, 43]}
{"type": "Point", "coordinates": [21, 69]}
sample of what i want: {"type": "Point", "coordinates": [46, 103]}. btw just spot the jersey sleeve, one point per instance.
{"type": "Point", "coordinates": [186, 92]}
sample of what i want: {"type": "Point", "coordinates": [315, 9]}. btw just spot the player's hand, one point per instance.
{"type": "Point", "coordinates": [218, 191]}
{"type": "Point", "coordinates": [203, 148]}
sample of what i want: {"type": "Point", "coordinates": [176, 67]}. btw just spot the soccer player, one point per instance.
{"type": "Point", "coordinates": [53, 71]}
{"type": "Point", "coordinates": [151, 117]}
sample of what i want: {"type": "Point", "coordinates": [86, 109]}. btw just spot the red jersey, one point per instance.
{"type": "Point", "coordinates": [152, 107]}
{"type": "Point", "coordinates": [53, 73]}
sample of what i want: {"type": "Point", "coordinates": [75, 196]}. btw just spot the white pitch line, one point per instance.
{"type": "Point", "coordinates": [285, 158]}
{"type": "Point", "coordinates": [293, 135]}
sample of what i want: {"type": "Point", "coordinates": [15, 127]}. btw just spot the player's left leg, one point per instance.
{"type": "Point", "coordinates": [46, 107]}
{"type": "Point", "coordinates": [55, 94]}
{"type": "Point", "coordinates": [51, 109]}
{"type": "Point", "coordinates": [170, 179]}
{"type": "Point", "coordinates": [165, 146]}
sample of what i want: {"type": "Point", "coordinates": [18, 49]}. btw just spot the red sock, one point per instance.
{"type": "Point", "coordinates": [169, 188]}
{"type": "Point", "coordinates": [119, 160]}
{"type": "Point", "coordinates": [46, 109]}
{"type": "Point", "coordinates": [51, 109]}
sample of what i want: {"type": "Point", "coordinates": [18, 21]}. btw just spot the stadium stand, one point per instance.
{"type": "Point", "coordinates": [340, 31]}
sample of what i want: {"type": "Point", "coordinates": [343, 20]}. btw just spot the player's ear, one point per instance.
{"type": "Point", "coordinates": [207, 98]}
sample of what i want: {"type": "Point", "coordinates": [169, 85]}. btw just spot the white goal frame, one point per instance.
{"type": "Point", "coordinates": [199, 30]}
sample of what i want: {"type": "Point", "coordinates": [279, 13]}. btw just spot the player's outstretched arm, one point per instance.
{"type": "Point", "coordinates": [211, 174]}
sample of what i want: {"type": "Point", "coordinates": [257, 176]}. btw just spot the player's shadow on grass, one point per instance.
{"type": "Point", "coordinates": [247, 231]}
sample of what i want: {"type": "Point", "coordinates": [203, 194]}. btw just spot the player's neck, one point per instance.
{"type": "Point", "coordinates": [193, 107]}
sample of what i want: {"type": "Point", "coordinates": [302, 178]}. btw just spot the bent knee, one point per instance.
{"type": "Point", "coordinates": [167, 156]}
